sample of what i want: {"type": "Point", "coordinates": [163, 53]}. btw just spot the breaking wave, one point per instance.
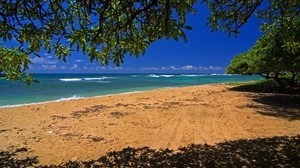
{"type": "Point", "coordinates": [85, 79]}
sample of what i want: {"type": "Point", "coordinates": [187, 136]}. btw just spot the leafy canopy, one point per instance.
{"type": "Point", "coordinates": [103, 29]}
{"type": "Point", "coordinates": [13, 63]}
{"type": "Point", "coordinates": [107, 30]}
{"type": "Point", "coordinates": [275, 55]}
{"type": "Point", "coordinates": [230, 15]}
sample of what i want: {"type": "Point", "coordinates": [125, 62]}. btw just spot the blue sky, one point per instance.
{"type": "Point", "coordinates": [205, 52]}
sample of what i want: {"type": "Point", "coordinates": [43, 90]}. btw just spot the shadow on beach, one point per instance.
{"type": "Point", "coordinates": [274, 101]}
{"type": "Point", "coordinates": [262, 152]}
{"type": "Point", "coordinates": [265, 87]}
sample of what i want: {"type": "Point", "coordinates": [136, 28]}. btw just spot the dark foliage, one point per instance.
{"type": "Point", "coordinates": [266, 86]}
{"type": "Point", "coordinates": [262, 152]}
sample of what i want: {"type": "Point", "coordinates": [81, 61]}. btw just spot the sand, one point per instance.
{"type": "Point", "coordinates": [86, 129]}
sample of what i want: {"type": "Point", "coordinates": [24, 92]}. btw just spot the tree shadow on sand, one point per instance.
{"type": "Point", "coordinates": [263, 152]}
{"type": "Point", "coordinates": [8, 159]}
{"type": "Point", "coordinates": [274, 102]}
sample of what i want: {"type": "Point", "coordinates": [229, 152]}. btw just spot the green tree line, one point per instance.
{"type": "Point", "coordinates": [276, 55]}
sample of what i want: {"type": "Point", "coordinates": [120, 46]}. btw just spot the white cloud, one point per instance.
{"type": "Point", "coordinates": [173, 67]}
{"type": "Point", "coordinates": [102, 68]}
{"type": "Point", "coordinates": [215, 68]}
{"type": "Point", "coordinates": [49, 67]}
{"type": "Point", "coordinates": [79, 60]}
{"type": "Point", "coordinates": [202, 68]}
{"type": "Point", "coordinates": [115, 68]}
{"type": "Point", "coordinates": [188, 67]}
{"type": "Point", "coordinates": [73, 67]}
{"type": "Point", "coordinates": [48, 56]}
{"type": "Point", "coordinates": [37, 60]}
{"type": "Point", "coordinates": [62, 67]}
{"type": "Point", "coordinates": [182, 68]}
{"type": "Point", "coordinates": [44, 60]}
{"type": "Point", "coordinates": [149, 68]}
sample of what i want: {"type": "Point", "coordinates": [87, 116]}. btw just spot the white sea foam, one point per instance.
{"type": "Point", "coordinates": [85, 79]}
{"type": "Point", "coordinates": [102, 81]}
{"type": "Point", "coordinates": [158, 76]}
{"type": "Point", "coordinates": [193, 75]}
{"type": "Point", "coordinates": [43, 102]}
{"type": "Point", "coordinates": [167, 76]}
{"type": "Point", "coordinates": [92, 79]}
{"type": "Point", "coordinates": [215, 74]}
{"type": "Point", "coordinates": [109, 77]}
{"type": "Point", "coordinates": [189, 75]}
{"type": "Point", "coordinates": [68, 98]}
{"type": "Point", "coordinates": [98, 79]}
{"type": "Point", "coordinates": [70, 79]}
{"type": "Point", "coordinates": [153, 76]}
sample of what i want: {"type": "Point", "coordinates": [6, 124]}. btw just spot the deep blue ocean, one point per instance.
{"type": "Point", "coordinates": [57, 87]}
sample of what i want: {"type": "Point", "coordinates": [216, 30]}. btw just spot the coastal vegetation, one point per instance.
{"type": "Point", "coordinates": [264, 86]}
{"type": "Point", "coordinates": [13, 63]}
{"type": "Point", "coordinates": [276, 55]}
{"type": "Point", "coordinates": [108, 30]}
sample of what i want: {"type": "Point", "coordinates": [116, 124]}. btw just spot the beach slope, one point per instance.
{"type": "Point", "coordinates": [86, 129]}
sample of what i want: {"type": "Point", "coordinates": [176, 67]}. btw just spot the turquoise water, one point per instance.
{"type": "Point", "coordinates": [56, 87]}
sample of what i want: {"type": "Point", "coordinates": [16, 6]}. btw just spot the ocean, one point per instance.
{"type": "Point", "coordinates": [58, 87]}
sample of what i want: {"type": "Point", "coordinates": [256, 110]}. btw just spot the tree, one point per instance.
{"type": "Point", "coordinates": [230, 15]}
{"type": "Point", "coordinates": [13, 63]}
{"type": "Point", "coordinates": [103, 29]}
{"type": "Point", "coordinates": [276, 55]}
{"type": "Point", "coordinates": [108, 30]}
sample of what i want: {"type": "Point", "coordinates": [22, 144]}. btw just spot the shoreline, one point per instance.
{"type": "Point", "coordinates": [85, 129]}
{"type": "Point", "coordinates": [74, 97]}
{"type": "Point", "coordinates": [53, 89]}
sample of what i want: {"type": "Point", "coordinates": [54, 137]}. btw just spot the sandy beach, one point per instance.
{"type": "Point", "coordinates": [85, 129]}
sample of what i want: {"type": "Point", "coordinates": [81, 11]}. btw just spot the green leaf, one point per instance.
{"type": "Point", "coordinates": [188, 27]}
